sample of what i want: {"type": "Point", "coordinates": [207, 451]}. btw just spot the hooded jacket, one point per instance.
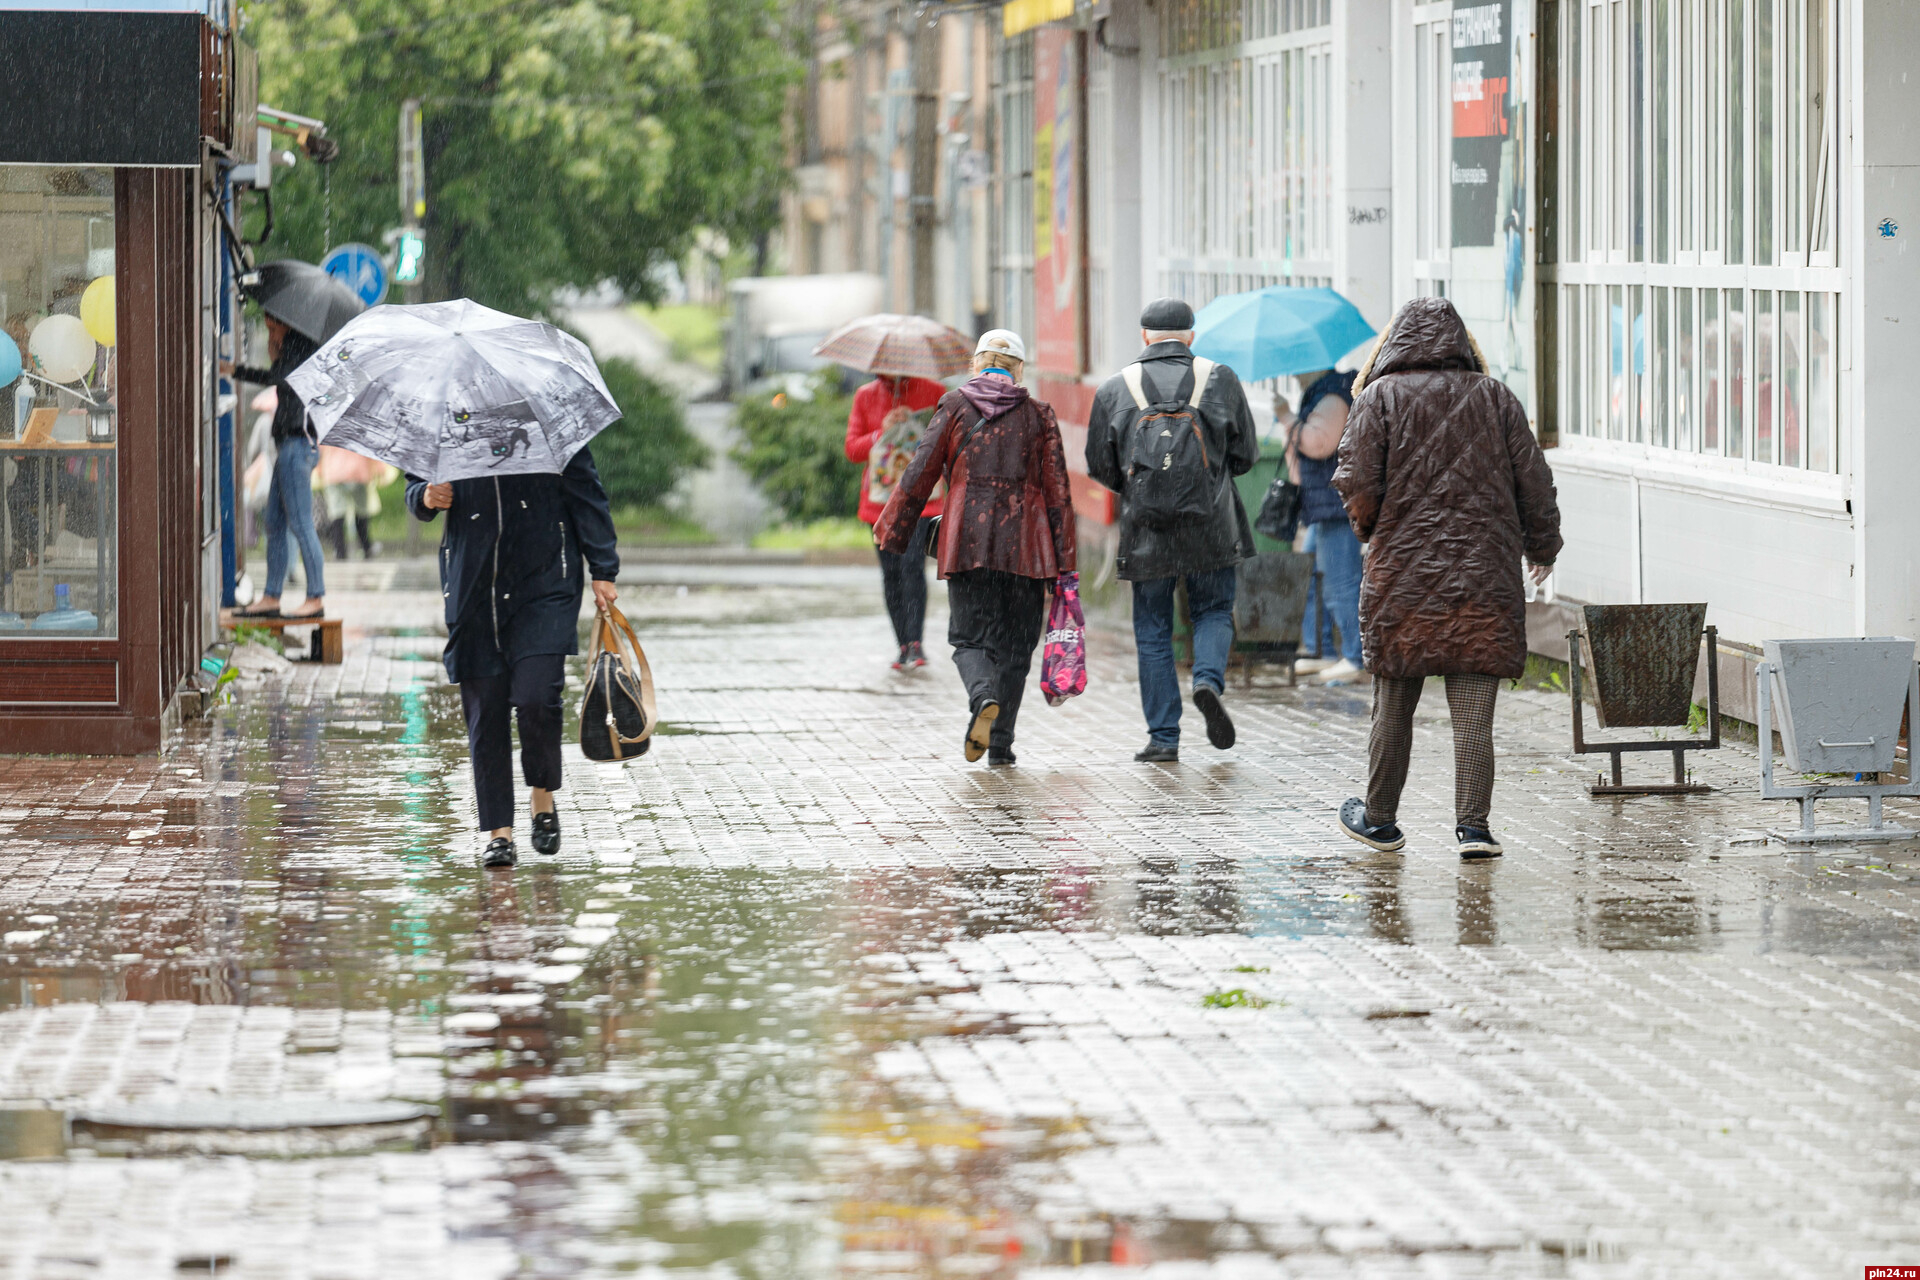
{"type": "Point", "coordinates": [1444, 480]}
{"type": "Point", "coordinates": [1148, 554]}
{"type": "Point", "coordinates": [1008, 504]}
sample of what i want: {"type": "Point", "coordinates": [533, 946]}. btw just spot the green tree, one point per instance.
{"type": "Point", "coordinates": [641, 457]}
{"type": "Point", "coordinates": [565, 144]}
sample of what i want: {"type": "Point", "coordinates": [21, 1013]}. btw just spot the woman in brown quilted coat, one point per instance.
{"type": "Point", "coordinates": [1445, 483]}
{"type": "Point", "coordinates": [1006, 535]}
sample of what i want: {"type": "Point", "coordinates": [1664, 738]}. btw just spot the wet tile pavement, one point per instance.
{"type": "Point", "coordinates": [805, 995]}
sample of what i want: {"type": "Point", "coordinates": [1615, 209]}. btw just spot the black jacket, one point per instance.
{"type": "Point", "coordinates": [1148, 554]}
{"type": "Point", "coordinates": [290, 412]}
{"type": "Point", "coordinates": [511, 563]}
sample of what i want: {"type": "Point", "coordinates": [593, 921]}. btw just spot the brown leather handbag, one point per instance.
{"type": "Point", "coordinates": [617, 713]}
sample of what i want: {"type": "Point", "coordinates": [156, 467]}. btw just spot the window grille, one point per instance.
{"type": "Point", "coordinates": [1246, 148]}
{"type": "Point", "coordinates": [1013, 251]}
{"type": "Point", "coordinates": [1697, 282]}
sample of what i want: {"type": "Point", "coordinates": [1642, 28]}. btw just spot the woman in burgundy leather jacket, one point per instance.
{"type": "Point", "coordinates": [1006, 535]}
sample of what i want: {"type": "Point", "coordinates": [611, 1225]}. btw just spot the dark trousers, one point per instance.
{"type": "Point", "coordinates": [994, 621]}
{"type": "Point", "coordinates": [532, 689]}
{"type": "Point", "coordinates": [903, 581]}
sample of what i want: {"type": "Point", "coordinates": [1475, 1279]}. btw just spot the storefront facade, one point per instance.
{"type": "Point", "coordinates": [1679, 231]}
{"type": "Point", "coordinates": [110, 270]}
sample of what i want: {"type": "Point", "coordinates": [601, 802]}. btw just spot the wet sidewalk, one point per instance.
{"type": "Point", "coordinates": [805, 995]}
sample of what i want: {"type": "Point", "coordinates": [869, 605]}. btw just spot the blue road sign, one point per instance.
{"type": "Point", "coordinates": [361, 268]}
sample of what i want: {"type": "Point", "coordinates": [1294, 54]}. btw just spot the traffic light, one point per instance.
{"type": "Point", "coordinates": [410, 254]}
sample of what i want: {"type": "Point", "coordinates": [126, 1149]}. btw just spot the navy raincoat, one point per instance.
{"type": "Point", "coordinates": [514, 561]}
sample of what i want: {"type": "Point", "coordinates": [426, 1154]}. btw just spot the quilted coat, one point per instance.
{"type": "Point", "coordinates": [1008, 506]}
{"type": "Point", "coordinates": [1445, 483]}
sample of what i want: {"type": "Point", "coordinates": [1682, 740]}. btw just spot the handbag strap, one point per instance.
{"type": "Point", "coordinates": [611, 626]}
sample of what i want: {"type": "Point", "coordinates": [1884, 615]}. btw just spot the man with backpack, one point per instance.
{"type": "Point", "coordinates": [1167, 434]}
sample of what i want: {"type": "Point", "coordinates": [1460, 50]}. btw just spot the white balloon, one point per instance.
{"type": "Point", "coordinates": [61, 348]}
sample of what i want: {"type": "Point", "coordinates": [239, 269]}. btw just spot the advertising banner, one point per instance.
{"type": "Point", "coordinates": [1491, 266]}
{"type": "Point", "coordinates": [1057, 204]}
{"type": "Point", "coordinates": [1482, 65]}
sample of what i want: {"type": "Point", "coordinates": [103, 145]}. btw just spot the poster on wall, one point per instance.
{"type": "Point", "coordinates": [1057, 201]}
{"type": "Point", "coordinates": [1482, 61]}
{"type": "Point", "coordinates": [1491, 261]}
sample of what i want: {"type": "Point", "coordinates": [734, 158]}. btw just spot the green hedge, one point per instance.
{"type": "Point", "coordinates": [796, 451]}
{"type": "Point", "coordinates": [643, 455]}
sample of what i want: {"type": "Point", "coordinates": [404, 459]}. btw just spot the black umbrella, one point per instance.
{"type": "Point", "coordinates": [303, 297]}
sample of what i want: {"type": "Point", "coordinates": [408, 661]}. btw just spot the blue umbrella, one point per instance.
{"type": "Point", "coordinates": [1279, 330]}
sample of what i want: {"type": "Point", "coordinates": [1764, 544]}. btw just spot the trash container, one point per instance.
{"type": "Point", "coordinates": [1839, 701]}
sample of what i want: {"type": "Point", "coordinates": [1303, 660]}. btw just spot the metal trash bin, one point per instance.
{"type": "Point", "coordinates": [1640, 661]}
{"type": "Point", "coordinates": [1840, 704]}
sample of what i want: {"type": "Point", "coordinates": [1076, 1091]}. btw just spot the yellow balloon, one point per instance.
{"type": "Point", "coordinates": [97, 310]}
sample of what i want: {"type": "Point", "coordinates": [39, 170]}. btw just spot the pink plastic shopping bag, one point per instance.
{"type": "Point", "coordinates": [1063, 668]}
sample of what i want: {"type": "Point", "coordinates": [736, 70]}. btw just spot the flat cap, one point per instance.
{"type": "Point", "coordinates": [1167, 315]}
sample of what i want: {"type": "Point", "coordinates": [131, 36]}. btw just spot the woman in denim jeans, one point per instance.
{"type": "Point", "coordinates": [289, 512]}
{"type": "Point", "coordinates": [1313, 454]}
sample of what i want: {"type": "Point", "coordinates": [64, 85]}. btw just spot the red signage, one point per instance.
{"type": "Point", "coordinates": [1058, 203]}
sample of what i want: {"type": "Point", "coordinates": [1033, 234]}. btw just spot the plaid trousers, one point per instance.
{"type": "Point", "coordinates": [1470, 701]}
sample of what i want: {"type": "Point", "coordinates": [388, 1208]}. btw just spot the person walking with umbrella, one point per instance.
{"type": "Point", "coordinates": [884, 427]}
{"type": "Point", "coordinates": [1444, 480]}
{"type": "Point", "coordinates": [304, 307]}
{"type": "Point", "coordinates": [1007, 535]}
{"type": "Point", "coordinates": [489, 417]}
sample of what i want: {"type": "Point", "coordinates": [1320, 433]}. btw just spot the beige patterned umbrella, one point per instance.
{"type": "Point", "coordinates": [903, 345]}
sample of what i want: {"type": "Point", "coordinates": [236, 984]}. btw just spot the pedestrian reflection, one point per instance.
{"type": "Point", "coordinates": [1215, 905]}
{"type": "Point", "coordinates": [1473, 906]}
{"type": "Point", "coordinates": [1380, 883]}
{"type": "Point", "coordinates": [508, 1036]}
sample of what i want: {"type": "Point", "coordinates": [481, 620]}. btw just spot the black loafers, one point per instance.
{"type": "Point", "coordinates": [546, 833]}
{"type": "Point", "coordinates": [979, 726]}
{"type": "Point", "coordinates": [1219, 723]}
{"type": "Point", "coordinates": [499, 853]}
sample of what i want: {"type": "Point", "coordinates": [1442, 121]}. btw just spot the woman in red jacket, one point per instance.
{"type": "Point", "coordinates": [883, 431]}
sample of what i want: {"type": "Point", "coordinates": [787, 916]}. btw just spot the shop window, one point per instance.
{"type": "Point", "coordinates": [59, 402]}
{"type": "Point", "coordinates": [1245, 181]}
{"type": "Point", "coordinates": [1696, 252]}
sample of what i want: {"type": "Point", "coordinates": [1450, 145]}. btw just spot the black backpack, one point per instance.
{"type": "Point", "coordinates": [1171, 477]}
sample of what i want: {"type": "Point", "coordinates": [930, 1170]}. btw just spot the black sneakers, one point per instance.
{"type": "Point", "coordinates": [915, 656]}
{"type": "Point", "coordinates": [1219, 723]}
{"type": "Point", "coordinates": [1477, 842]}
{"type": "Point", "coordinates": [499, 853]}
{"type": "Point", "coordinates": [1386, 837]}
{"type": "Point", "coordinates": [546, 833]}
{"type": "Point", "coordinates": [1154, 753]}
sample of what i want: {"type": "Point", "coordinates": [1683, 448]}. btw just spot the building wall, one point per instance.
{"type": "Point", "coordinates": [1881, 39]}
{"type": "Point", "coordinates": [852, 136]}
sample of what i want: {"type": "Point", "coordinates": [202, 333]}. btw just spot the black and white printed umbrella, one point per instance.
{"type": "Point", "coordinates": [455, 391]}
